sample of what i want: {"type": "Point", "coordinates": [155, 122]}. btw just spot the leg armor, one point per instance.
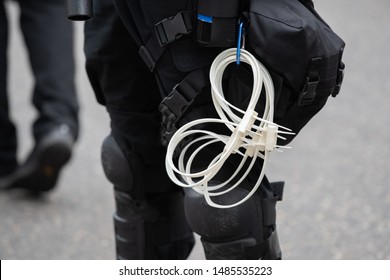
{"type": "Point", "coordinates": [149, 224]}
{"type": "Point", "coordinates": [246, 231]}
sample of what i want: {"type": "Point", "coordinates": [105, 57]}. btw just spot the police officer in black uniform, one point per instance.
{"type": "Point", "coordinates": [49, 40]}
{"type": "Point", "coordinates": [130, 73]}
{"type": "Point", "coordinates": [148, 62]}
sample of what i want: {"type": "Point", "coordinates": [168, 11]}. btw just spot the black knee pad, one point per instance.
{"type": "Point", "coordinates": [116, 166]}
{"type": "Point", "coordinates": [246, 231]}
{"type": "Point", "coordinates": [149, 219]}
{"type": "Point", "coordinates": [127, 171]}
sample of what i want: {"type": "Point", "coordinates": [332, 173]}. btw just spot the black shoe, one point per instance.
{"type": "Point", "coordinates": [42, 168]}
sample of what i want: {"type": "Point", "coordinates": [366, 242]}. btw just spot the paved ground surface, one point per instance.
{"type": "Point", "coordinates": [337, 196]}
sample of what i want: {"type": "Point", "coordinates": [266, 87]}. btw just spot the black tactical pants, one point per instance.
{"type": "Point", "coordinates": [129, 91]}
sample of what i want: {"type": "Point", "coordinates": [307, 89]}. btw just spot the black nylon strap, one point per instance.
{"type": "Point", "coordinates": [151, 52]}
{"type": "Point", "coordinates": [166, 31]}
{"type": "Point", "coordinates": [219, 8]}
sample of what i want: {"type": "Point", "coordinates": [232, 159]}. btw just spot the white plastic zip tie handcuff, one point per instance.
{"type": "Point", "coordinates": [251, 136]}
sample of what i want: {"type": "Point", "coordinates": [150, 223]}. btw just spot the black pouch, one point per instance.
{"type": "Point", "coordinates": [296, 44]}
{"type": "Point", "coordinates": [299, 49]}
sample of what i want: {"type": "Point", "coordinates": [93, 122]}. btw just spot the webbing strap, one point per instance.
{"type": "Point", "coordinates": [151, 52]}
{"type": "Point", "coordinates": [165, 32]}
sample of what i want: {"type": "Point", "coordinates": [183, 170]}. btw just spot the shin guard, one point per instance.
{"type": "Point", "coordinates": [148, 225]}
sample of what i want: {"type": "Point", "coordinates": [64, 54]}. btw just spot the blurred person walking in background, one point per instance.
{"type": "Point", "coordinates": [49, 41]}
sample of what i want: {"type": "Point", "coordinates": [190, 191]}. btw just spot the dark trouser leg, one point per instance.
{"type": "Point", "coordinates": [149, 220]}
{"type": "Point", "coordinates": [49, 39]}
{"type": "Point", "coordinates": [7, 129]}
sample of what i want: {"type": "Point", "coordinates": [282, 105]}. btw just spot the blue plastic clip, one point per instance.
{"type": "Point", "coordinates": [239, 43]}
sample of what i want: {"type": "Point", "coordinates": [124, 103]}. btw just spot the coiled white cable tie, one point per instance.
{"type": "Point", "coordinates": [250, 133]}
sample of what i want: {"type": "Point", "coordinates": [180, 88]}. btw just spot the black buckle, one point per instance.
{"type": "Point", "coordinates": [176, 101]}
{"type": "Point", "coordinates": [167, 135]}
{"type": "Point", "coordinates": [309, 91]}
{"type": "Point", "coordinates": [172, 108]}
{"type": "Point", "coordinates": [171, 29]}
{"type": "Point", "coordinates": [339, 81]}
{"type": "Point", "coordinates": [168, 118]}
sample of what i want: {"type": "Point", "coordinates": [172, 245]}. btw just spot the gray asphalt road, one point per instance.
{"type": "Point", "coordinates": [336, 203]}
